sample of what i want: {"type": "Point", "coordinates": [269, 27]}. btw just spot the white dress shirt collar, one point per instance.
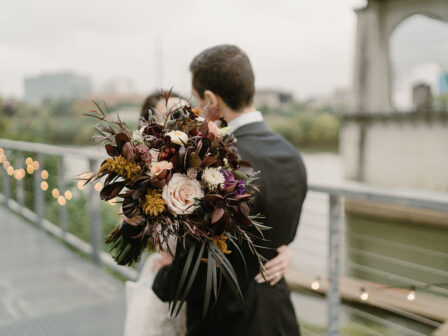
{"type": "Point", "coordinates": [244, 119]}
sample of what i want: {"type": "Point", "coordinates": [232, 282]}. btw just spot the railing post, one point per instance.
{"type": "Point", "coordinates": [95, 217]}
{"type": "Point", "coordinates": [6, 183]}
{"type": "Point", "coordinates": [39, 199]}
{"type": "Point", "coordinates": [61, 186]}
{"type": "Point", "coordinates": [333, 296]}
{"type": "Point", "coordinates": [19, 182]}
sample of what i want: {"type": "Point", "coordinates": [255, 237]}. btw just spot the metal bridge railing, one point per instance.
{"type": "Point", "coordinates": [335, 196]}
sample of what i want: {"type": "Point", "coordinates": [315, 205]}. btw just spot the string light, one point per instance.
{"type": "Point", "coordinates": [61, 200]}
{"type": "Point", "coordinates": [68, 195]}
{"type": "Point", "coordinates": [55, 193]}
{"type": "Point", "coordinates": [411, 294]}
{"type": "Point", "coordinates": [29, 161]}
{"type": "Point", "coordinates": [315, 285]}
{"type": "Point", "coordinates": [44, 186]}
{"type": "Point", "coordinates": [35, 165]}
{"type": "Point", "coordinates": [2, 158]}
{"type": "Point", "coordinates": [80, 185]}
{"type": "Point", "coordinates": [44, 174]}
{"type": "Point", "coordinates": [364, 295]}
{"type": "Point", "coordinates": [10, 170]}
{"type": "Point", "coordinates": [2, 151]}
{"type": "Point", "coordinates": [19, 174]}
{"type": "Point", "coordinates": [30, 169]}
{"type": "Point", "coordinates": [6, 164]}
{"type": "Point", "coordinates": [98, 186]}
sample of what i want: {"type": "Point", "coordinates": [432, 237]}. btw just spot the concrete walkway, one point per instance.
{"type": "Point", "coordinates": [47, 289]}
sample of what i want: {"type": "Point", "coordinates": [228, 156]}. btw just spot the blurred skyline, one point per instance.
{"type": "Point", "coordinates": [108, 39]}
{"type": "Point", "coordinates": [305, 47]}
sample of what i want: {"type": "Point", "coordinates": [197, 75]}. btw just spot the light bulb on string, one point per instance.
{"type": "Point", "coordinates": [68, 195]}
{"type": "Point", "coordinates": [35, 165]}
{"type": "Point", "coordinates": [411, 294]}
{"type": "Point", "coordinates": [30, 169]}
{"type": "Point", "coordinates": [315, 285]}
{"type": "Point", "coordinates": [98, 186]}
{"type": "Point", "coordinates": [55, 193]}
{"type": "Point", "coordinates": [364, 295]}
{"type": "Point", "coordinates": [2, 158]}
{"type": "Point", "coordinates": [44, 174]}
{"type": "Point", "coordinates": [61, 200]}
{"type": "Point", "coordinates": [28, 161]}
{"type": "Point", "coordinates": [44, 186]}
{"type": "Point", "coordinates": [18, 174]}
{"type": "Point", "coordinates": [6, 164]}
{"type": "Point", "coordinates": [10, 170]}
{"type": "Point", "coordinates": [2, 151]}
{"type": "Point", "coordinates": [80, 185]}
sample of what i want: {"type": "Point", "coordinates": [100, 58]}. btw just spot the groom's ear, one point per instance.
{"type": "Point", "coordinates": [213, 110]}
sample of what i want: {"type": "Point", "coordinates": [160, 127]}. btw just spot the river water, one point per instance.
{"type": "Point", "coordinates": [375, 250]}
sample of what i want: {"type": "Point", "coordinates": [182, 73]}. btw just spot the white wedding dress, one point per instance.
{"type": "Point", "coordinates": [146, 314]}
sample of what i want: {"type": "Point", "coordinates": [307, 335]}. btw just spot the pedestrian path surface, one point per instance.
{"type": "Point", "coordinates": [47, 289]}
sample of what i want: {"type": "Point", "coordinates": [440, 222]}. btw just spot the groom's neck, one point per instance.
{"type": "Point", "coordinates": [229, 115]}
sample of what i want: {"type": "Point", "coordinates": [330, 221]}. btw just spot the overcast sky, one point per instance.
{"type": "Point", "coordinates": [300, 45]}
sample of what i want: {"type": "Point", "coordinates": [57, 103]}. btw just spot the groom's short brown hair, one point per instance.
{"type": "Point", "coordinates": [226, 71]}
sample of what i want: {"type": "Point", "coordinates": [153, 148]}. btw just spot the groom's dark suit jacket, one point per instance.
{"type": "Point", "coordinates": [266, 310]}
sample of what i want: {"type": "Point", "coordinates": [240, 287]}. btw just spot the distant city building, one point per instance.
{"type": "Point", "coordinates": [119, 86]}
{"type": "Point", "coordinates": [272, 99]}
{"type": "Point", "coordinates": [57, 85]}
{"type": "Point", "coordinates": [337, 100]}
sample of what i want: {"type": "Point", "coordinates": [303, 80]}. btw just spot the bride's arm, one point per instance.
{"type": "Point", "coordinates": [277, 266]}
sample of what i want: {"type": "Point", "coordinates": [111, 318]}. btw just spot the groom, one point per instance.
{"type": "Point", "coordinates": [223, 80]}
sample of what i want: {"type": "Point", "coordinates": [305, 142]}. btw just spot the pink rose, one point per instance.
{"type": "Point", "coordinates": [159, 167]}
{"type": "Point", "coordinates": [214, 129]}
{"type": "Point", "coordinates": [180, 194]}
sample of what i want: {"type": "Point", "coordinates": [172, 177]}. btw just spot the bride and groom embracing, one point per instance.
{"type": "Point", "coordinates": [223, 85]}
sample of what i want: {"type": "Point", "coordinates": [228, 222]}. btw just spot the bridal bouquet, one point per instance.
{"type": "Point", "coordinates": [180, 176]}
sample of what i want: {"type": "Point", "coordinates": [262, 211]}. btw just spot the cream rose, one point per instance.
{"type": "Point", "coordinates": [178, 137]}
{"type": "Point", "coordinates": [159, 167]}
{"type": "Point", "coordinates": [180, 193]}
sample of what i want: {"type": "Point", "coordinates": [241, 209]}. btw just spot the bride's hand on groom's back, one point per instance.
{"type": "Point", "coordinates": [163, 259]}
{"type": "Point", "coordinates": [276, 267]}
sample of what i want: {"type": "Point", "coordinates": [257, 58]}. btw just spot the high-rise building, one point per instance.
{"type": "Point", "coordinates": [57, 85]}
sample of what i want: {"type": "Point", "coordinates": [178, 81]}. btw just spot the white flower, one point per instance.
{"type": "Point", "coordinates": [192, 173]}
{"type": "Point", "coordinates": [154, 154]}
{"type": "Point", "coordinates": [178, 137]}
{"type": "Point", "coordinates": [213, 177]}
{"type": "Point", "coordinates": [180, 194]}
{"type": "Point", "coordinates": [137, 137]}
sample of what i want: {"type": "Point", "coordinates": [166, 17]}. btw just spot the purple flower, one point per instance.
{"type": "Point", "coordinates": [228, 177]}
{"type": "Point", "coordinates": [240, 187]}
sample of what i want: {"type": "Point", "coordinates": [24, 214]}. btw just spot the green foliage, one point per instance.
{"type": "Point", "coordinates": [308, 130]}
{"type": "Point", "coordinates": [54, 121]}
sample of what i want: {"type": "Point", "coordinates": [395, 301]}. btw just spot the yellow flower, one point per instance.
{"type": "Point", "coordinates": [197, 111]}
{"type": "Point", "coordinates": [119, 165]}
{"type": "Point", "coordinates": [154, 204]}
{"type": "Point", "coordinates": [221, 243]}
